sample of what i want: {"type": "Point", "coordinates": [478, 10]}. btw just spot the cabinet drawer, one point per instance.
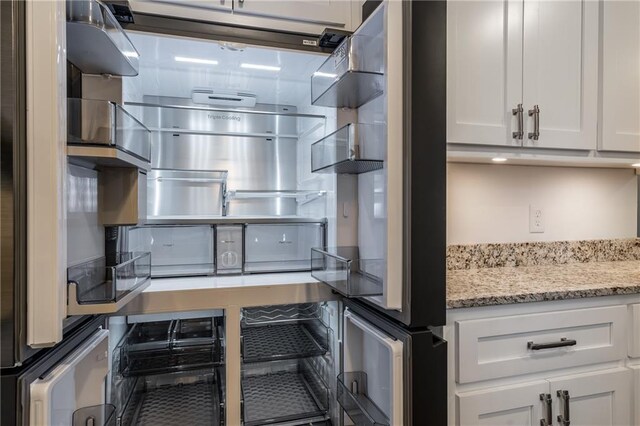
{"type": "Point", "coordinates": [634, 335]}
{"type": "Point", "coordinates": [514, 345]}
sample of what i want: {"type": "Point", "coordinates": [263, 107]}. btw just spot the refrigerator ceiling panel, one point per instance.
{"type": "Point", "coordinates": [172, 66]}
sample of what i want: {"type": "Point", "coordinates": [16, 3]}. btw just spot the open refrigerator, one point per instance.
{"type": "Point", "coordinates": [172, 154]}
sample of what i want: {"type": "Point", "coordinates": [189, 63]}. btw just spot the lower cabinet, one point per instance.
{"type": "Point", "coordinates": [600, 398]}
{"type": "Point", "coordinates": [505, 405]}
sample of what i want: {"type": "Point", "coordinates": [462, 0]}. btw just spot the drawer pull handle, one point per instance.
{"type": "Point", "coordinates": [564, 419]}
{"type": "Point", "coordinates": [547, 401]}
{"type": "Point", "coordinates": [561, 344]}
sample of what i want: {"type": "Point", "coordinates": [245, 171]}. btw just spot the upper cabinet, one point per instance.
{"type": "Point", "coordinates": [484, 71]}
{"type": "Point", "coordinates": [560, 74]}
{"type": "Point", "coordinates": [620, 76]}
{"type": "Point", "coordinates": [302, 17]}
{"type": "Point", "coordinates": [331, 13]}
{"type": "Point", "coordinates": [523, 73]}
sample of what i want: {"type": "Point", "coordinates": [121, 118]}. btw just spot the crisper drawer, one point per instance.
{"type": "Point", "coordinates": [281, 247]}
{"type": "Point", "coordinates": [507, 346]}
{"type": "Point", "coordinates": [181, 250]}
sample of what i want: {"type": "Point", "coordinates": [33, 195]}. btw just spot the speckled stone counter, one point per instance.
{"type": "Point", "coordinates": [485, 275]}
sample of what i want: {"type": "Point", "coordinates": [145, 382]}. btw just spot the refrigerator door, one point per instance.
{"type": "Point", "coordinates": [390, 375]}
{"type": "Point", "coordinates": [370, 388]}
{"type": "Point", "coordinates": [392, 70]}
{"type": "Point", "coordinates": [78, 381]}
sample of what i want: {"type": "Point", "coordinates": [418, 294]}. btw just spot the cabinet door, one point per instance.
{"type": "Point", "coordinates": [620, 76]}
{"type": "Point", "coordinates": [600, 398]}
{"type": "Point", "coordinates": [332, 13]}
{"type": "Point", "coordinates": [484, 71]}
{"type": "Point", "coordinates": [505, 405]}
{"type": "Point", "coordinates": [561, 73]}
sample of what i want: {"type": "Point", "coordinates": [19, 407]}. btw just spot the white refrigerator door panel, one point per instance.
{"type": "Point", "coordinates": [368, 349]}
{"type": "Point", "coordinates": [78, 381]}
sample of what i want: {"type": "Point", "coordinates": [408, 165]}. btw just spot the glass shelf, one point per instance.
{"type": "Point", "coordinates": [91, 27]}
{"type": "Point", "coordinates": [352, 149]}
{"type": "Point", "coordinates": [96, 288]}
{"type": "Point", "coordinates": [342, 269]}
{"type": "Point", "coordinates": [171, 115]}
{"type": "Point", "coordinates": [352, 396]}
{"type": "Point", "coordinates": [302, 196]}
{"type": "Point", "coordinates": [352, 76]}
{"type": "Point", "coordinates": [104, 124]}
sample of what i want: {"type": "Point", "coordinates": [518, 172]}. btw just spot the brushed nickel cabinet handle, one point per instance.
{"type": "Point", "coordinates": [535, 113]}
{"type": "Point", "coordinates": [518, 113]}
{"type": "Point", "coordinates": [564, 419]}
{"type": "Point", "coordinates": [560, 344]}
{"type": "Point", "coordinates": [547, 401]}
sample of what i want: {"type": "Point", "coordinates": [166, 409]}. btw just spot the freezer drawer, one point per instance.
{"type": "Point", "coordinates": [286, 391]}
{"type": "Point", "coordinates": [270, 248]}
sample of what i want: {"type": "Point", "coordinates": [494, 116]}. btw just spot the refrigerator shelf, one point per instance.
{"type": "Point", "coordinates": [342, 269]}
{"type": "Point", "coordinates": [115, 136]}
{"type": "Point", "coordinates": [94, 287]}
{"type": "Point", "coordinates": [352, 76]}
{"type": "Point", "coordinates": [284, 341]}
{"type": "Point", "coordinates": [172, 360]}
{"type": "Point", "coordinates": [349, 150]}
{"type": "Point", "coordinates": [352, 397]}
{"type": "Point", "coordinates": [284, 396]}
{"type": "Point", "coordinates": [96, 43]}
{"type": "Point", "coordinates": [183, 399]}
{"type": "Point", "coordinates": [273, 314]}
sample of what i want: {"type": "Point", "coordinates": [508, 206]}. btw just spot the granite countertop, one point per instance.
{"type": "Point", "coordinates": [521, 284]}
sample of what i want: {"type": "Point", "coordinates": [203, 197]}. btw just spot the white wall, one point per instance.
{"type": "Point", "coordinates": [490, 203]}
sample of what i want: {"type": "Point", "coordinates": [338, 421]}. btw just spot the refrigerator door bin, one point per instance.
{"type": "Point", "coordinates": [352, 397]}
{"type": "Point", "coordinates": [342, 269]}
{"type": "Point", "coordinates": [283, 392]}
{"type": "Point", "coordinates": [352, 149]}
{"type": "Point", "coordinates": [107, 124]}
{"type": "Point", "coordinates": [184, 193]}
{"type": "Point", "coordinates": [96, 415]}
{"type": "Point", "coordinates": [186, 398]}
{"type": "Point", "coordinates": [353, 75]}
{"type": "Point", "coordinates": [229, 249]}
{"type": "Point", "coordinates": [180, 250]}
{"type": "Point", "coordinates": [271, 248]}
{"type": "Point", "coordinates": [96, 43]}
{"type": "Point", "coordinates": [96, 288]}
{"type": "Point", "coordinates": [284, 341]}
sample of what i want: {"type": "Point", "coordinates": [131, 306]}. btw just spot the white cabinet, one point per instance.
{"type": "Point", "coordinates": [332, 13]}
{"type": "Point", "coordinates": [507, 405]}
{"type": "Point", "coordinates": [502, 54]}
{"type": "Point", "coordinates": [299, 16]}
{"type": "Point", "coordinates": [560, 73]}
{"type": "Point", "coordinates": [620, 76]}
{"type": "Point", "coordinates": [484, 71]}
{"type": "Point", "coordinates": [599, 398]}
